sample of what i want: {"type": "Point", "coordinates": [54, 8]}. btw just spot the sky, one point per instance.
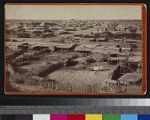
{"type": "Point", "coordinates": [82, 12]}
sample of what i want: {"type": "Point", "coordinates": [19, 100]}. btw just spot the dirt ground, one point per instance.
{"type": "Point", "coordinates": [77, 78]}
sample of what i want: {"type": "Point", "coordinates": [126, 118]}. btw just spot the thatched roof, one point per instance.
{"type": "Point", "coordinates": [95, 32]}
{"type": "Point", "coordinates": [106, 50]}
{"type": "Point", "coordinates": [98, 50]}
{"type": "Point", "coordinates": [101, 39]}
{"type": "Point", "coordinates": [118, 58]}
{"type": "Point", "coordinates": [131, 77]}
{"type": "Point", "coordinates": [86, 47]}
{"type": "Point", "coordinates": [65, 46]}
{"type": "Point", "coordinates": [79, 77]}
{"type": "Point", "coordinates": [117, 39]}
{"type": "Point", "coordinates": [131, 40]}
{"type": "Point", "coordinates": [135, 59]}
{"type": "Point", "coordinates": [39, 44]}
{"type": "Point", "coordinates": [83, 49]}
{"type": "Point", "coordinates": [111, 81]}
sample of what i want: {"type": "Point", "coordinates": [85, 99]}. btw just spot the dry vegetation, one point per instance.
{"type": "Point", "coordinates": [67, 70]}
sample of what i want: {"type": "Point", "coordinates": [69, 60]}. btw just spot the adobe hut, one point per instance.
{"type": "Point", "coordinates": [102, 39]}
{"type": "Point", "coordinates": [132, 41]}
{"type": "Point", "coordinates": [116, 60]}
{"type": "Point", "coordinates": [134, 63]}
{"type": "Point", "coordinates": [83, 50]}
{"type": "Point", "coordinates": [118, 40]}
{"type": "Point", "coordinates": [64, 47]}
{"type": "Point", "coordinates": [130, 78]}
{"type": "Point", "coordinates": [77, 39]}
{"type": "Point", "coordinates": [78, 35]}
{"type": "Point", "coordinates": [39, 48]}
{"type": "Point", "coordinates": [23, 46]}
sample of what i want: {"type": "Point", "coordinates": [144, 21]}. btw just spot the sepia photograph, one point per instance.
{"type": "Point", "coordinates": [73, 49]}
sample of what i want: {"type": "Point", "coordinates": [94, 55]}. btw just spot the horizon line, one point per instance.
{"type": "Point", "coordinates": [73, 19]}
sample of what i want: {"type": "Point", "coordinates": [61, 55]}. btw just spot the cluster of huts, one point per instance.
{"type": "Point", "coordinates": [49, 29]}
{"type": "Point", "coordinates": [119, 54]}
{"type": "Point", "coordinates": [112, 54]}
